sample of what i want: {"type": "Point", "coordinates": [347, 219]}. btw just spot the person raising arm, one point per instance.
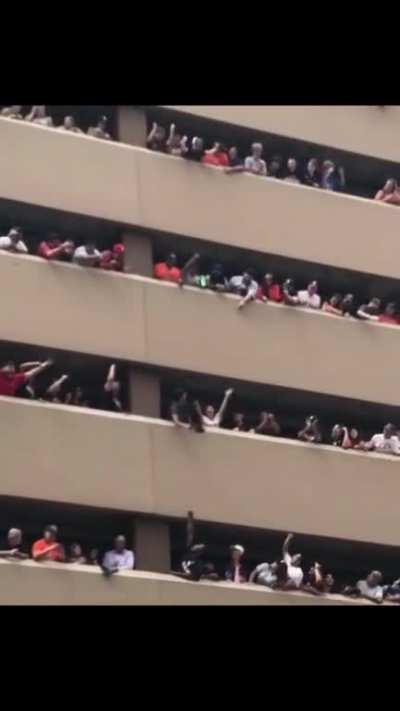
{"type": "Point", "coordinates": [53, 391]}
{"type": "Point", "coordinates": [34, 372]}
{"type": "Point", "coordinates": [211, 418]}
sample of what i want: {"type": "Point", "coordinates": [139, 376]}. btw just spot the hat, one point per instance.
{"type": "Point", "coordinates": [238, 548]}
{"type": "Point", "coordinates": [53, 529]}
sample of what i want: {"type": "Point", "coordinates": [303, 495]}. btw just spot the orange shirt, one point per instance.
{"type": "Point", "coordinates": [217, 159]}
{"type": "Point", "coordinates": [41, 546]}
{"type": "Point", "coordinates": [165, 273]}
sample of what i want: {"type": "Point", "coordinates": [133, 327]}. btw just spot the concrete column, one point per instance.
{"type": "Point", "coordinates": [138, 257]}
{"type": "Point", "coordinates": [131, 125]}
{"type": "Point", "coordinates": [152, 545]}
{"type": "Point", "coordinates": [144, 393]}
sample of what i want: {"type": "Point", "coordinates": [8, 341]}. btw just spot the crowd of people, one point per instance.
{"type": "Point", "coordinates": [21, 381]}
{"type": "Point", "coordinates": [246, 285]}
{"type": "Point", "coordinates": [38, 115]}
{"type": "Point", "coordinates": [318, 174]}
{"type": "Point", "coordinates": [315, 173]}
{"type": "Point", "coordinates": [54, 248]}
{"type": "Point", "coordinates": [285, 573]}
{"type": "Point", "coordinates": [187, 413]}
{"type": "Point", "coordinates": [50, 549]}
{"type": "Point", "coordinates": [250, 288]}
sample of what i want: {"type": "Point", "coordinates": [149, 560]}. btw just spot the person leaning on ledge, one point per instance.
{"type": "Point", "coordinates": [14, 550]}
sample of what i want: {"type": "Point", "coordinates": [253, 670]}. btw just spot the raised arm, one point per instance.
{"type": "Point", "coordinates": [152, 132]}
{"type": "Point", "coordinates": [260, 426]}
{"type": "Point", "coordinates": [29, 365]}
{"type": "Point", "coordinates": [31, 374]}
{"type": "Point", "coordinates": [31, 115]}
{"type": "Point", "coordinates": [221, 411]}
{"type": "Point", "coordinates": [186, 267]}
{"type": "Point", "coordinates": [54, 389]}
{"type": "Point", "coordinates": [184, 145]}
{"type": "Point", "coordinates": [286, 544]}
{"type": "Point", "coordinates": [189, 529]}
{"type": "Point", "coordinates": [110, 378]}
{"type": "Point", "coordinates": [171, 134]}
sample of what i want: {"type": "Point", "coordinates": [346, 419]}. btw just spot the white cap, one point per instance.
{"type": "Point", "coordinates": [238, 548]}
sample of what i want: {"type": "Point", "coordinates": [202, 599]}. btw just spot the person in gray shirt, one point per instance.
{"type": "Point", "coordinates": [254, 163]}
{"type": "Point", "coordinates": [245, 286]}
{"type": "Point", "coordinates": [265, 574]}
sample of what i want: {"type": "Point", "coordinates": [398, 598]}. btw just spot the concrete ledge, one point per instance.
{"type": "Point", "coordinates": [143, 320]}
{"type": "Point", "coordinates": [29, 583]}
{"type": "Point", "coordinates": [144, 465]}
{"type": "Point", "coordinates": [137, 187]}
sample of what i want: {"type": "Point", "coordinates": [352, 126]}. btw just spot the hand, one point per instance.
{"type": "Point", "coordinates": [229, 392]}
{"type": "Point", "coordinates": [49, 362]}
{"type": "Point", "coordinates": [155, 126]}
{"type": "Point", "coordinates": [68, 247]}
{"type": "Point", "coordinates": [172, 129]}
{"type": "Point", "coordinates": [65, 377]}
{"type": "Point", "coordinates": [14, 552]}
{"type": "Point", "coordinates": [290, 536]}
{"type": "Point", "coordinates": [241, 304]}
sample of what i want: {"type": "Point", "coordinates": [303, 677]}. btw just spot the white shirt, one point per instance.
{"type": "Point", "coordinates": [257, 166]}
{"type": "Point", "coordinates": [375, 593]}
{"type": "Point", "coordinates": [382, 444]}
{"type": "Point", "coordinates": [311, 300]}
{"type": "Point", "coordinates": [123, 561]}
{"type": "Point", "coordinates": [294, 573]}
{"type": "Point", "coordinates": [20, 246]}
{"type": "Point", "coordinates": [208, 422]}
{"type": "Point", "coordinates": [81, 256]}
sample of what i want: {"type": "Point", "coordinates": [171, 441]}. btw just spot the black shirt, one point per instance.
{"type": "Point", "coordinates": [309, 179]}
{"type": "Point", "coordinates": [194, 155]}
{"type": "Point", "coordinates": [157, 145]}
{"type": "Point", "coordinates": [182, 410]}
{"type": "Point", "coordinates": [110, 403]}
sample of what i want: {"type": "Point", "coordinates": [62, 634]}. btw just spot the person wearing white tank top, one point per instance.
{"type": "Point", "coordinates": [211, 418]}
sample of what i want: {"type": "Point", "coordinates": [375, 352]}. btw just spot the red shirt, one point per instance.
{"type": "Point", "coordinates": [41, 546]}
{"type": "Point", "coordinates": [274, 293]}
{"type": "Point", "coordinates": [11, 382]}
{"type": "Point", "coordinates": [218, 159]}
{"type": "Point", "coordinates": [44, 250]}
{"type": "Point", "coordinates": [165, 273]}
{"type": "Point", "coordinates": [107, 259]}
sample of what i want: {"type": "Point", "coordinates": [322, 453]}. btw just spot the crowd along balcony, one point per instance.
{"type": "Point", "coordinates": [136, 187]}
{"type": "Point", "coordinates": [142, 320]}
{"type": "Point", "coordinates": [31, 583]}
{"type": "Point", "coordinates": [367, 130]}
{"type": "Point", "coordinates": [144, 465]}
